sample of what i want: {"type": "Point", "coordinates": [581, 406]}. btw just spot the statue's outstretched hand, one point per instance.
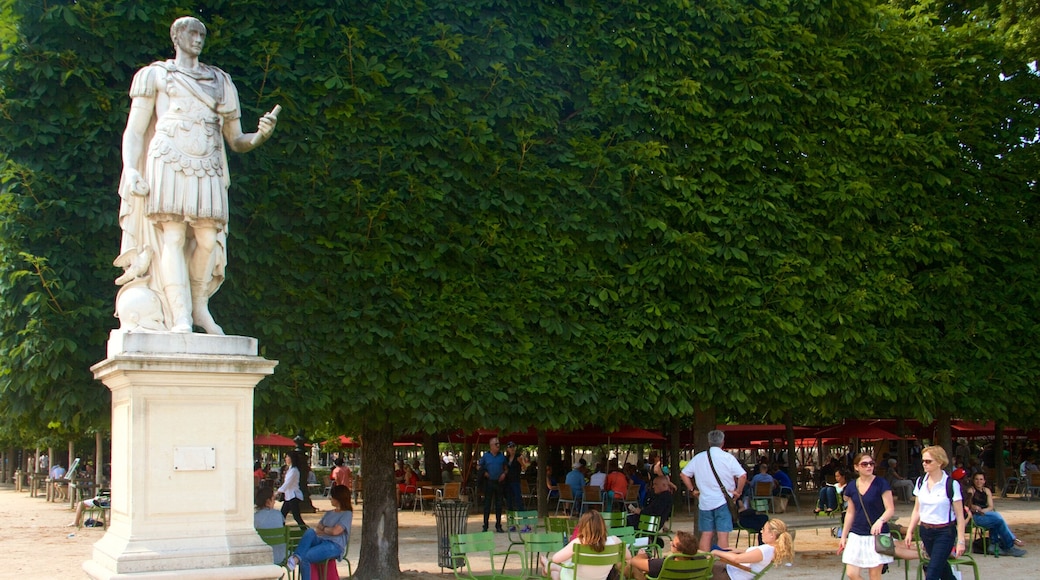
{"type": "Point", "coordinates": [265, 127]}
{"type": "Point", "coordinates": [268, 123]}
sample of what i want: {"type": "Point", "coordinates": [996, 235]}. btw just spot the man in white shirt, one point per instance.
{"type": "Point", "coordinates": [598, 478]}
{"type": "Point", "coordinates": [698, 474]}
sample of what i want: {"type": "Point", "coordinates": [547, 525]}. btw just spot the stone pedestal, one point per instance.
{"type": "Point", "coordinates": [182, 437]}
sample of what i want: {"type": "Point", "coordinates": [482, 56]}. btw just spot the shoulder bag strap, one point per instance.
{"type": "Point", "coordinates": [860, 495]}
{"type": "Point", "coordinates": [711, 463]}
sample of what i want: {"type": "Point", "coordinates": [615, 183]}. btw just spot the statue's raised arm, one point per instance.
{"type": "Point", "coordinates": [174, 187]}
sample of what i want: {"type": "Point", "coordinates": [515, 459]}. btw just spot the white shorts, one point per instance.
{"type": "Point", "coordinates": [859, 552]}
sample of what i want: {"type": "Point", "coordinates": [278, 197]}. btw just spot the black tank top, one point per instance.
{"type": "Point", "coordinates": [979, 499]}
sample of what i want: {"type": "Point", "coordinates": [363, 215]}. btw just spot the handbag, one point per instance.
{"type": "Point", "coordinates": [730, 502]}
{"type": "Point", "coordinates": [883, 543]}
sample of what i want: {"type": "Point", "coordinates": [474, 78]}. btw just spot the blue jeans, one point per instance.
{"type": "Point", "coordinates": [939, 542]}
{"type": "Point", "coordinates": [999, 531]}
{"type": "Point", "coordinates": [314, 549]}
{"type": "Point", "coordinates": [828, 499]}
{"type": "Point", "coordinates": [514, 497]}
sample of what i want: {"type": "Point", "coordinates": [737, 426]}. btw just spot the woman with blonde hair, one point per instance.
{"type": "Point", "coordinates": [592, 532]}
{"type": "Point", "coordinates": [777, 546]}
{"type": "Point", "coordinates": [940, 515]}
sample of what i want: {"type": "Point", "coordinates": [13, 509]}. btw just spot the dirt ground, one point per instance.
{"type": "Point", "coordinates": [38, 544]}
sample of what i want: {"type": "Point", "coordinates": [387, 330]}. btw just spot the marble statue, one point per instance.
{"type": "Point", "coordinates": [174, 187]}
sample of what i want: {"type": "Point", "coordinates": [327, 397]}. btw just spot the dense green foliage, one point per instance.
{"type": "Point", "coordinates": [490, 213]}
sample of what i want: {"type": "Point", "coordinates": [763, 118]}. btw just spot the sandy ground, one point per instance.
{"type": "Point", "coordinates": [37, 544]}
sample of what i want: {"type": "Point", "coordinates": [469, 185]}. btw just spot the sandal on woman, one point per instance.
{"type": "Point", "coordinates": [1019, 543]}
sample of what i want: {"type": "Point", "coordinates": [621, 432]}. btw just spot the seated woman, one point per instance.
{"type": "Point", "coordinates": [777, 546]}
{"type": "Point", "coordinates": [328, 539]}
{"type": "Point", "coordinates": [641, 565]}
{"type": "Point", "coordinates": [267, 518]}
{"type": "Point", "coordinates": [980, 504]}
{"type": "Point", "coordinates": [409, 483]}
{"type": "Point", "coordinates": [592, 531]}
{"type": "Point", "coordinates": [551, 483]}
{"type": "Point", "coordinates": [827, 501]}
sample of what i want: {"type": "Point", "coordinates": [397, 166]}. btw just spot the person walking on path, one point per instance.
{"type": "Point", "coordinates": [870, 507]}
{"type": "Point", "coordinates": [700, 474]}
{"type": "Point", "coordinates": [940, 511]}
{"type": "Point", "coordinates": [292, 495]}
{"type": "Point", "coordinates": [493, 468]}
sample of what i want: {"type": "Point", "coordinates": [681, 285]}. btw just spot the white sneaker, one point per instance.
{"type": "Point", "coordinates": [292, 562]}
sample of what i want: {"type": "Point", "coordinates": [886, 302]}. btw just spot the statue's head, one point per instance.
{"type": "Point", "coordinates": [185, 24]}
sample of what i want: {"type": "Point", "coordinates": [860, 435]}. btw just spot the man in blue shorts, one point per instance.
{"type": "Point", "coordinates": [714, 517]}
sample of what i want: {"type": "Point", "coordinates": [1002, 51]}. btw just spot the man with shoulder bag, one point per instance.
{"type": "Point", "coordinates": [719, 479]}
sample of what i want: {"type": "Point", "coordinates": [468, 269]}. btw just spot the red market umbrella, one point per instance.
{"type": "Point", "coordinates": [345, 441]}
{"type": "Point", "coordinates": [856, 430]}
{"type": "Point", "coordinates": [273, 440]}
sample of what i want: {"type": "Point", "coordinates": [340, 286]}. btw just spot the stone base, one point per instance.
{"type": "Point", "coordinates": [270, 572]}
{"type": "Point", "coordinates": [182, 443]}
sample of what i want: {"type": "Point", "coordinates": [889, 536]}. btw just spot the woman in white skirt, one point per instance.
{"type": "Point", "coordinates": [870, 506]}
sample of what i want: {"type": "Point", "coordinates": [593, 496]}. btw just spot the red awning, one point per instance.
{"type": "Point", "coordinates": [857, 430]}
{"type": "Point", "coordinates": [273, 440]}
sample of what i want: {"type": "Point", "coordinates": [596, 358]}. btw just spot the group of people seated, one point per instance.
{"type": "Point", "coordinates": [326, 540]}
{"type": "Point", "coordinates": [614, 482]}
{"type": "Point", "coordinates": [779, 482]}
{"type": "Point", "coordinates": [777, 546]}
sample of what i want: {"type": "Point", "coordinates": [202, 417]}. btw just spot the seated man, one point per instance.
{"type": "Point", "coordinates": [659, 505]}
{"type": "Point", "coordinates": [57, 481]}
{"type": "Point", "coordinates": [899, 484]}
{"type": "Point", "coordinates": [761, 477]}
{"type": "Point", "coordinates": [576, 481]}
{"type": "Point", "coordinates": [782, 479]}
{"type": "Point", "coordinates": [598, 478]}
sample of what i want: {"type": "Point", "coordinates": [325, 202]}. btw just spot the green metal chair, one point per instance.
{"type": "Point", "coordinates": [586, 556]}
{"type": "Point", "coordinates": [924, 559]}
{"type": "Point", "coordinates": [276, 537]}
{"type": "Point", "coordinates": [561, 524]}
{"type": "Point", "coordinates": [615, 519]}
{"type": "Point", "coordinates": [517, 522]}
{"type": "Point", "coordinates": [685, 567]}
{"type": "Point", "coordinates": [651, 527]}
{"type": "Point", "coordinates": [536, 544]}
{"type": "Point", "coordinates": [468, 548]}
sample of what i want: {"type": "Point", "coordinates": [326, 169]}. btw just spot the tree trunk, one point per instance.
{"type": "Point", "coordinates": [99, 459]}
{"type": "Point", "coordinates": [379, 536]}
{"type": "Point", "coordinates": [432, 458]}
{"type": "Point", "coordinates": [674, 447]}
{"type": "Point", "coordinates": [543, 464]}
{"type": "Point", "coordinates": [703, 422]}
{"type": "Point", "coordinates": [943, 435]}
{"type": "Point", "coordinates": [903, 454]}
{"type": "Point", "coordinates": [792, 454]}
{"type": "Point", "coordinates": [998, 456]}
